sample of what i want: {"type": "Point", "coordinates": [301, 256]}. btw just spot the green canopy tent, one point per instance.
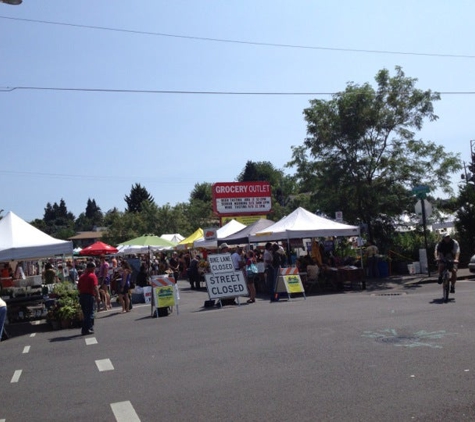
{"type": "Point", "coordinates": [144, 244]}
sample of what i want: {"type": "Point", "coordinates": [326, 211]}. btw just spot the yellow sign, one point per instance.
{"type": "Point", "coordinates": [164, 296]}
{"type": "Point", "coordinates": [244, 219]}
{"type": "Point", "coordinates": [293, 283]}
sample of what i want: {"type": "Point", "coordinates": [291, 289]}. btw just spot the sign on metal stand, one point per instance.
{"type": "Point", "coordinates": [224, 281]}
{"type": "Point", "coordinates": [165, 293]}
{"type": "Point", "coordinates": [289, 281]}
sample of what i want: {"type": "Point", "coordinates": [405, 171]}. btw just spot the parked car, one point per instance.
{"type": "Point", "coordinates": [471, 264]}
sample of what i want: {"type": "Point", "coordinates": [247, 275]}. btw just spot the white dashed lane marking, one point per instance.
{"type": "Point", "coordinates": [124, 412]}
{"type": "Point", "coordinates": [16, 376]}
{"type": "Point", "coordinates": [26, 349]}
{"type": "Point", "coordinates": [104, 365]}
{"type": "Point", "coordinates": [91, 340]}
{"type": "Point", "coordinates": [32, 335]}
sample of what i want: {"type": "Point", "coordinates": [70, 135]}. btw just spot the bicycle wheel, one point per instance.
{"type": "Point", "coordinates": [446, 287]}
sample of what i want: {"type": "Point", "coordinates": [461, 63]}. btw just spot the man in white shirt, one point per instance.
{"type": "Point", "coordinates": [237, 259]}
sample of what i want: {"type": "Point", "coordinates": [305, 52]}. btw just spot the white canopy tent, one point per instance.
{"type": "Point", "coordinates": [140, 249]}
{"type": "Point", "coordinates": [302, 224]}
{"type": "Point", "coordinates": [242, 236]}
{"type": "Point", "coordinates": [19, 240]}
{"type": "Point", "coordinates": [228, 229]}
{"type": "Point", "coordinates": [175, 237]}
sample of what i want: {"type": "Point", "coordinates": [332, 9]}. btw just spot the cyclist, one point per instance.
{"type": "Point", "coordinates": [448, 248]}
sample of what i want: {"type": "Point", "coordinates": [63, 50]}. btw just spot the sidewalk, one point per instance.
{"type": "Point", "coordinates": [405, 281]}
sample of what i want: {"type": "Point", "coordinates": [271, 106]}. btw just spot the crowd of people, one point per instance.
{"type": "Point", "coordinates": [117, 277]}
{"type": "Point", "coordinates": [101, 279]}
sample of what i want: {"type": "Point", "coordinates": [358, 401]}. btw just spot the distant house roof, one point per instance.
{"type": "Point", "coordinates": [87, 235]}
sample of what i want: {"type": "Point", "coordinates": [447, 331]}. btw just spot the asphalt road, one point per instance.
{"type": "Point", "coordinates": [381, 355]}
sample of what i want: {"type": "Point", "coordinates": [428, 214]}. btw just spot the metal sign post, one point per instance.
{"type": "Point", "coordinates": [421, 193]}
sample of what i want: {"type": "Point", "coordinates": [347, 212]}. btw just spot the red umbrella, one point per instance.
{"type": "Point", "coordinates": [98, 248]}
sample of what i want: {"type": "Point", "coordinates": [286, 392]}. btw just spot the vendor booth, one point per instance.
{"type": "Point", "coordinates": [228, 229]}
{"type": "Point", "coordinates": [97, 249]}
{"type": "Point", "coordinates": [174, 238]}
{"type": "Point", "coordinates": [188, 242]}
{"type": "Point", "coordinates": [302, 224]}
{"type": "Point", "coordinates": [20, 241]}
{"type": "Point", "coordinates": [151, 240]}
{"type": "Point", "coordinates": [242, 236]}
{"type": "Point", "coordinates": [145, 244]}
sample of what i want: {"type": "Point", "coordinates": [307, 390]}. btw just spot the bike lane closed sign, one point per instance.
{"type": "Point", "coordinates": [224, 281]}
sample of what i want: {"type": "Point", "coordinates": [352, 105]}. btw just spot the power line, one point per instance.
{"type": "Point", "coordinates": [224, 40]}
{"type": "Point", "coordinates": [147, 91]}
{"type": "Point", "coordinates": [151, 91]}
{"type": "Point", "coordinates": [104, 178]}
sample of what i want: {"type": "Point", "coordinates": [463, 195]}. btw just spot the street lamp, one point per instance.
{"type": "Point", "coordinates": [12, 2]}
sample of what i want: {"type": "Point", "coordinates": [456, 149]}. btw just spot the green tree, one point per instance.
{"type": "Point", "coordinates": [200, 208]}
{"type": "Point", "coordinates": [361, 155]}
{"type": "Point", "coordinates": [465, 223]}
{"type": "Point", "coordinates": [284, 191]}
{"type": "Point", "coordinates": [201, 192]}
{"type": "Point", "coordinates": [138, 195]}
{"type": "Point", "coordinates": [182, 222]}
{"type": "Point", "coordinates": [92, 217]}
{"type": "Point", "coordinates": [160, 220]}
{"type": "Point", "coordinates": [57, 221]}
{"type": "Point", "coordinates": [122, 226]}
{"type": "Point", "coordinates": [93, 212]}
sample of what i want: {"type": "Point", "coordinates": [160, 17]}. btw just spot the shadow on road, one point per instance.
{"type": "Point", "coordinates": [441, 301]}
{"type": "Point", "coordinates": [65, 338]}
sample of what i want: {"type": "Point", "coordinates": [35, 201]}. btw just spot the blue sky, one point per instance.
{"type": "Point", "coordinates": [78, 145]}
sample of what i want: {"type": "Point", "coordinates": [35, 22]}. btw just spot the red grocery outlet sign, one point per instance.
{"type": "Point", "coordinates": [242, 198]}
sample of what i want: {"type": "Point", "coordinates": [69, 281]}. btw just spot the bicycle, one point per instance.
{"type": "Point", "coordinates": [446, 278]}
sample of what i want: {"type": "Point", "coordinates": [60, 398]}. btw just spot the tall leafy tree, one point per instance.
{"type": "Point", "coordinates": [200, 209]}
{"type": "Point", "coordinates": [57, 220]}
{"type": "Point", "coordinates": [92, 217]}
{"type": "Point", "coordinates": [283, 187]}
{"type": "Point", "coordinates": [361, 155]}
{"type": "Point", "coordinates": [137, 197]}
{"type": "Point", "coordinates": [93, 212]}
{"type": "Point", "coordinates": [465, 223]}
{"type": "Point", "coordinates": [122, 226]}
{"type": "Point", "coordinates": [160, 220]}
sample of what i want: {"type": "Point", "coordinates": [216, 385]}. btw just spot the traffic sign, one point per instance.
{"type": "Point", "coordinates": [427, 206]}
{"type": "Point", "coordinates": [420, 191]}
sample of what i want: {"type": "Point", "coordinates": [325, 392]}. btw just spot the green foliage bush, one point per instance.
{"type": "Point", "coordinates": [67, 303]}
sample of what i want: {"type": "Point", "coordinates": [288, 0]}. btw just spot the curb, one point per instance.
{"type": "Point", "coordinates": [412, 280]}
